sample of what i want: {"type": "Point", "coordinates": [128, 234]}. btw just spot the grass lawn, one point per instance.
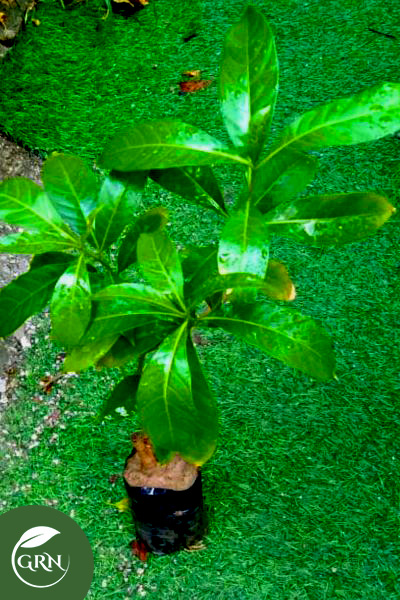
{"type": "Point", "coordinates": [303, 491]}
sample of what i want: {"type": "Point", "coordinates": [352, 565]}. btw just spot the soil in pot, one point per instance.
{"type": "Point", "coordinates": [166, 500]}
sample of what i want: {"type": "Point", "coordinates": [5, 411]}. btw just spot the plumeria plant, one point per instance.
{"type": "Point", "coordinates": [120, 291]}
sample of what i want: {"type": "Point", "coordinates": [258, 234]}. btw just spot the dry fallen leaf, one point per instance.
{"type": "Point", "coordinates": [139, 549]}
{"type": "Point", "coordinates": [188, 87]}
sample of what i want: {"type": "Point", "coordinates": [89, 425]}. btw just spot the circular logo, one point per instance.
{"type": "Point", "coordinates": [43, 552]}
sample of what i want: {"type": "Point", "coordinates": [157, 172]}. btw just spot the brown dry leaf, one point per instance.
{"type": "Point", "coordinates": [188, 87]}
{"type": "Point", "coordinates": [194, 73]}
{"type": "Point", "coordinates": [47, 382]}
{"type": "Point", "coordinates": [139, 549]}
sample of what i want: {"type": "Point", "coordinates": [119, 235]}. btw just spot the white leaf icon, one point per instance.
{"type": "Point", "coordinates": [36, 536]}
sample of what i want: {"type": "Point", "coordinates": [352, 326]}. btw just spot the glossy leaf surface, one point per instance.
{"type": "Point", "coordinates": [127, 305]}
{"type": "Point", "coordinates": [160, 264]}
{"type": "Point", "coordinates": [282, 178]}
{"type": "Point", "coordinates": [198, 264]}
{"type": "Point", "coordinates": [368, 115]}
{"type": "Point", "coordinates": [34, 243]}
{"type": "Point", "coordinates": [71, 305]}
{"type": "Point", "coordinates": [122, 398]}
{"type": "Point", "coordinates": [243, 246]}
{"type": "Point", "coordinates": [331, 219]}
{"type": "Point", "coordinates": [72, 188]}
{"type": "Point", "coordinates": [221, 283]}
{"type": "Point", "coordinates": [151, 221]}
{"type": "Point", "coordinates": [162, 145]}
{"type": "Point", "coordinates": [88, 354]}
{"type": "Point", "coordinates": [278, 284]}
{"type": "Point", "coordinates": [121, 353]}
{"type": "Point", "coordinates": [167, 410]}
{"type": "Point", "coordinates": [285, 334]}
{"type": "Point", "coordinates": [119, 199]}
{"type": "Point", "coordinates": [24, 203]}
{"type": "Point", "coordinates": [249, 81]}
{"type": "Point", "coordinates": [196, 184]}
{"type": "Point", "coordinates": [27, 295]}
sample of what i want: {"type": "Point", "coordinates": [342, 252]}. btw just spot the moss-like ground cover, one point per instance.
{"type": "Point", "coordinates": [304, 488]}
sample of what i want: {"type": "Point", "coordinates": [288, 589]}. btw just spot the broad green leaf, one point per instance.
{"type": "Point", "coordinates": [147, 338]}
{"type": "Point", "coordinates": [24, 203]}
{"type": "Point", "coordinates": [51, 258]}
{"type": "Point", "coordinates": [244, 245]}
{"type": "Point", "coordinates": [278, 284]}
{"type": "Point", "coordinates": [122, 399]}
{"type": "Point", "coordinates": [282, 178]}
{"type": "Point", "coordinates": [160, 264]}
{"type": "Point", "coordinates": [88, 354]}
{"type": "Point", "coordinates": [198, 264]}
{"type": "Point", "coordinates": [162, 145]}
{"type": "Point", "coordinates": [195, 184]}
{"type": "Point", "coordinates": [368, 115]}
{"type": "Point", "coordinates": [72, 188]}
{"type": "Point", "coordinates": [249, 81]}
{"type": "Point", "coordinates": [331, 219]}
{"type": "Point", "coordinates": [124, 306]}
{"type": "Point", "coordinates": [119, 199]}
{"type": "Point", "coordinates": [71, 305]}
{"type": "Point", "coordinates": [167, 410]}
{"type": "Point", "coordinates": [121, 353]}
{"type": "Point", "coordinates": [205, 404]}
{"type": "Point", "coordinates": [283, 333]}
{"type": "Point", "coordinates": [27, 295]}
{"type": "Point", "coordinates": [149, 222]}
{"type": "Point", "coordinates": [230, 281]}
{"type": "Point", "coordinates": [34, 243]}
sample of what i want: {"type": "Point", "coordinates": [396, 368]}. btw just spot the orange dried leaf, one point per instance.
{"type": "Point", "coordinates": [194, 86]}
{"type": "Point", "coordinates": [139, 549]}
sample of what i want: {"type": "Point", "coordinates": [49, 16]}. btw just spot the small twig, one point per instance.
{"type": "Point", "coordinates": [388, 35]}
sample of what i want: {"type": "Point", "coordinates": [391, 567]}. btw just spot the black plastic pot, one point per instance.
{"type": "Point", "coordinates": [167, 520]}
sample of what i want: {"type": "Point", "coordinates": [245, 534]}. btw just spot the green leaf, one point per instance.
{"type": "Point", "coordinates": [151, 221]}
{"type": "Point", "coordinates": [27, 295]}
{"type": "Point", "coordinates": [368, 115]}
{"type": "Point", "coordinates": [198, 264]}
{"type": "Point", "coordinates": [282, 178]}
{"type": "Point", "coordinates": [24, 203]}
{"type": "Point", "coordinates": [147, 338]}
{"type": "Point", "coordinates": [168, 411]}
{"type": "Point", "coordinates": [88, 354]}
{"type": "Point", "coordinates": [278, 284]}
{"type": "Point", "coordinates": [160, 264]}
{"type": "Point", "coordinates": [34, 243]}
{"type": "Point", "coordinates": [162, 145]}
{"type": "Point", "coordinates": [122, 399]}
{"type": "Point", "coordinates": [249, 81]}
{"type": "Point", "coordinates": [119, 199]}
{"type": "Point", "coordinates": [71, 304]}
{"type": "Point", "coordinates": [331, 219]}
{"type": "Point", "coordinates": [243, 247]}
{"type": "Point", "coordinates": [283, 333]}
{"type": "Point", "coordinates": [231, 281]}
{"type": "Point", "coordinates": [51, 258]}
{"type": "Point", "coordinates": [195, 184]}
{"type": "Point", "coordinates": [72, 188]}
{"type": "Point", "coordinates": [205, 405]}
{"type": "Point", "coordinates": [127, 305]}
{"type": "Point", "coordinates": [121, 353]}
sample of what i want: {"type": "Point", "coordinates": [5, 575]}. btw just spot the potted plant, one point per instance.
{"type": "Point", "coordinates": [120, 291]}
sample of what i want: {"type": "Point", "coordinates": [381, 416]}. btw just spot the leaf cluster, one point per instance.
{"type": "Point", "coordinates": [120, 291]}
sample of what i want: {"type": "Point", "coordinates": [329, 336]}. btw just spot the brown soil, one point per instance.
{"type": "Point", "coordinates": [143, 470]}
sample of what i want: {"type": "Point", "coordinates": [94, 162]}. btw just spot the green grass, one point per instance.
{"type": "Point", "coordinates": [303, 491]}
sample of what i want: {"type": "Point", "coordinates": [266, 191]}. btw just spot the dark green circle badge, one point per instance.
{"type": "Point", "coordinates": [44, 554]}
